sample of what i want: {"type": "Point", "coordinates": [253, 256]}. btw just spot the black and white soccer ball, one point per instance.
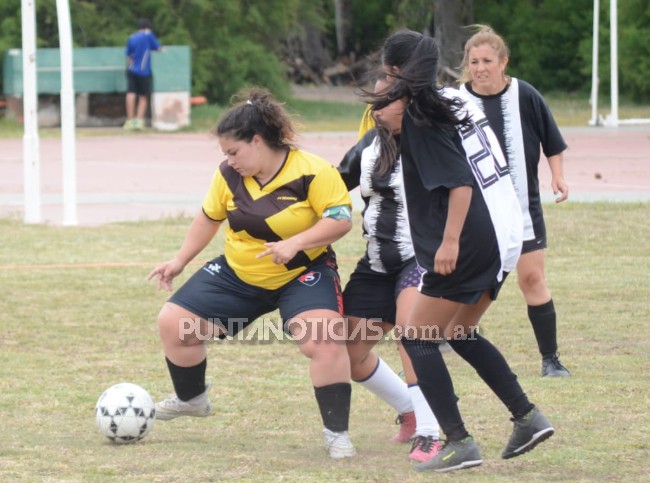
{"type": "Point", "coordinates": [125, 413]}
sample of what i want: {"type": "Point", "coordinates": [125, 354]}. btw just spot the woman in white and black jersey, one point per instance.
{"type": "Point", "coordinates": [466, 227]}
{"type": "Point", "coordinates": [382, 287]}
{"type": "Point", "coordinates": [523, 123]}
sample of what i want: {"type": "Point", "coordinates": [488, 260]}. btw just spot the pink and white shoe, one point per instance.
{"type": "Point", "coordinates": [406, 431]}
{"type": "Point", "coordinates": [425, 448]}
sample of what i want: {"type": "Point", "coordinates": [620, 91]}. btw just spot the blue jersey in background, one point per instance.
{"type": "Point", "coordinates": [138, 49]}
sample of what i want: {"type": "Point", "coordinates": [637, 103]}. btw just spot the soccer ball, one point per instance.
{"type": "Point", "coordinates": [125, 413]}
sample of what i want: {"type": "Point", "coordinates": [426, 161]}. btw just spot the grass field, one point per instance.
{"type": "Point", "coordinates": [78, 316]}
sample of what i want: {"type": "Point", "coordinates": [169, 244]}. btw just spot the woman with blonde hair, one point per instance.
{"type": "Point", "coordinates": [522, 123]}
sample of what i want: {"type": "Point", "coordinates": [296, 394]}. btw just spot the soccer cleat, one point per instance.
{"type": "Point", "coordinates": [129, 124]}
{"type": "Point", "coordinates": [528, 432]}
{"type": "Point", "coordinates": [338, 444]}
{"type": "Point", "coordinates": [424, 448]}
{"type": "Point", "coordinates": [406, 431]}
{"type": "Point", "coordinates": [552, 367]}
{"type": "Point", "coordinates": [138, 124]}
{"type": "Point", "coordinates": [454, 455]}
{"type": "Point", "coordinates": [172, 407]}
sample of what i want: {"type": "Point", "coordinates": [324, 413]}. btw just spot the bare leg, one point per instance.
{"type": "Point", "coordinates": [531, 278]}
{"type": "Point", "coordinates": [321, 335]}
{"type": "Point", "coordinates": [143, 102]}
{"type": "Point", "coordinates": [323, 342]}
{"type": "Point", "coordinates": [376, 376]}
{"type": "Point", "coordinates": [130, 105]}
{"type": "Point", "coordinates": [541, 311]}
{"type": "Point", "coordinates": [363, 334]}
{"type": "Point", "coordinates": [181, 342]}
{"type": "Point", "coordinates": [182, 334]}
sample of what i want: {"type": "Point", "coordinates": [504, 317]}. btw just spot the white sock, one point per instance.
{"type": "Point", "coordinates": [387, 385]}
{"type": "Point", "coordinates": [425, 421]}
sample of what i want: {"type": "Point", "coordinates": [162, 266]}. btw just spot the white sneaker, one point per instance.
{"type": "Point", "coordinates": [338, 444]}
{"type": "Point", "coordinates": [172, 407]}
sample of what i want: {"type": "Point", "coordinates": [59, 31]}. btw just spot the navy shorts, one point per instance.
{"type": "Point", "coordinates": [372, 295]}
{"type": "Point", "coordinates": [217, 294]}
{"type": "Point", "coordinates": [468, 298]}
{"type": "Point", "coordinates": [138, 84]}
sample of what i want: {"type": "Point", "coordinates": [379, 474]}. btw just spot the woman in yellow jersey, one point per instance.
{"type": "Point", "coordinates": [284, 208]}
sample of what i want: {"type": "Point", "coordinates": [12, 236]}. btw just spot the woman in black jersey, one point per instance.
{"type": "Point", "coordinates": [466, 227]}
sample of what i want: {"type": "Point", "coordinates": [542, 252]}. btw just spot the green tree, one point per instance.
{"type": "Point", "coordinates": [236, 43]}
{"type": "Point", "coordinates": [634, 49]}
{"type": "Point", "coordinates": [543, 37]}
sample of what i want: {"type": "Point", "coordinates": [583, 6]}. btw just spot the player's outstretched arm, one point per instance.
{"type": "Point", "coordinates": [199, 235]}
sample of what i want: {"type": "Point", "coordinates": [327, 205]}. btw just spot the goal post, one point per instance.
{"type": "Point", "coordinates": [612, 119]}
{"type": "Point", "coordinates": [68, 127]}
{"type": "Point", "coordinates": [31, 142]}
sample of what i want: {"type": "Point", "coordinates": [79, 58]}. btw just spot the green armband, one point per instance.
{"type": "Point", "coordinates": [338, 213]}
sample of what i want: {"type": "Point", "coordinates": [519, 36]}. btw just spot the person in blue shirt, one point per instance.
{"type": "Point", "coordinates": [138, 74]}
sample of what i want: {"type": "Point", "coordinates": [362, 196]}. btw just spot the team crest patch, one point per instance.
{"type": "Point", "coordinates": [310, 278]}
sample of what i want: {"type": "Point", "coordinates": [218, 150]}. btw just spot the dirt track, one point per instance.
{"type": "Point", "coordinates": [150, 175]}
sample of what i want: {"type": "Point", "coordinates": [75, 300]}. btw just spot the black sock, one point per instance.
{"type": "Point", "coordinates": [544, 322]}
{"type": "Point", "coordinates": [334, 404]}
{"type": "Point", "coordinates": [436, 386]}
{"type": "Point", "coordinates": [188, 382]}
{"type": "Point", "coordinates": [492, 367]}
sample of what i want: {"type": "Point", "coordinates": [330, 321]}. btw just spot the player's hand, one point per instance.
{"type": "Point", "coordinates": [165, 274]}
{"type": "Point", "coordinates": [282, 251]}
{"type": "Point", "coordinates": [560, 190]}
{"type": "Point", "coordinates": [446, 257]}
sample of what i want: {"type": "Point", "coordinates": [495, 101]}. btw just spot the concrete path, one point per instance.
{"type": "Point", "coordinates": [143, 176]}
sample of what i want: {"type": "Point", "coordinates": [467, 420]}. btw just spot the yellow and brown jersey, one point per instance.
{"type": "Point", "coordinates": [367, 122]}
{"type": "Point", "coordinates": [293, 201]}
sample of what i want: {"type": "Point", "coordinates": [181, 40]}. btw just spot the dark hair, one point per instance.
{"type": "Point", "coordinates": [398, 48]}
{"type": "Point", "coordinates": [255, 111]}
{"type": "Point", "coordinates": [388, 140]}
{"type": "Point", "coordinates": [144, 23]}
{"type": "Point", "coordinates": [416, 57]}
{"type": "Point", "coordinates": [388, 150]}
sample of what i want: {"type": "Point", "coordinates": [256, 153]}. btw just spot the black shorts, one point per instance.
{"type": "Point", "coordinates": [373, 295]}
{"type": "Point", "coordinates": [138, 84]}
{"type": "Point", "coordinates": [468, 298]}
{"type": "Point", "coordinates": [217, 294]}
{"type": "Point", "coordinates": [538, 243]}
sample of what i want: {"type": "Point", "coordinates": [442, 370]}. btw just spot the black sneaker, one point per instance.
{"type": "Point", "coordinates": [454, 455]}
{"type": "Point", "coordinates": [528, 432]}
{"type": "Point", "coordinates": [552, 367]}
